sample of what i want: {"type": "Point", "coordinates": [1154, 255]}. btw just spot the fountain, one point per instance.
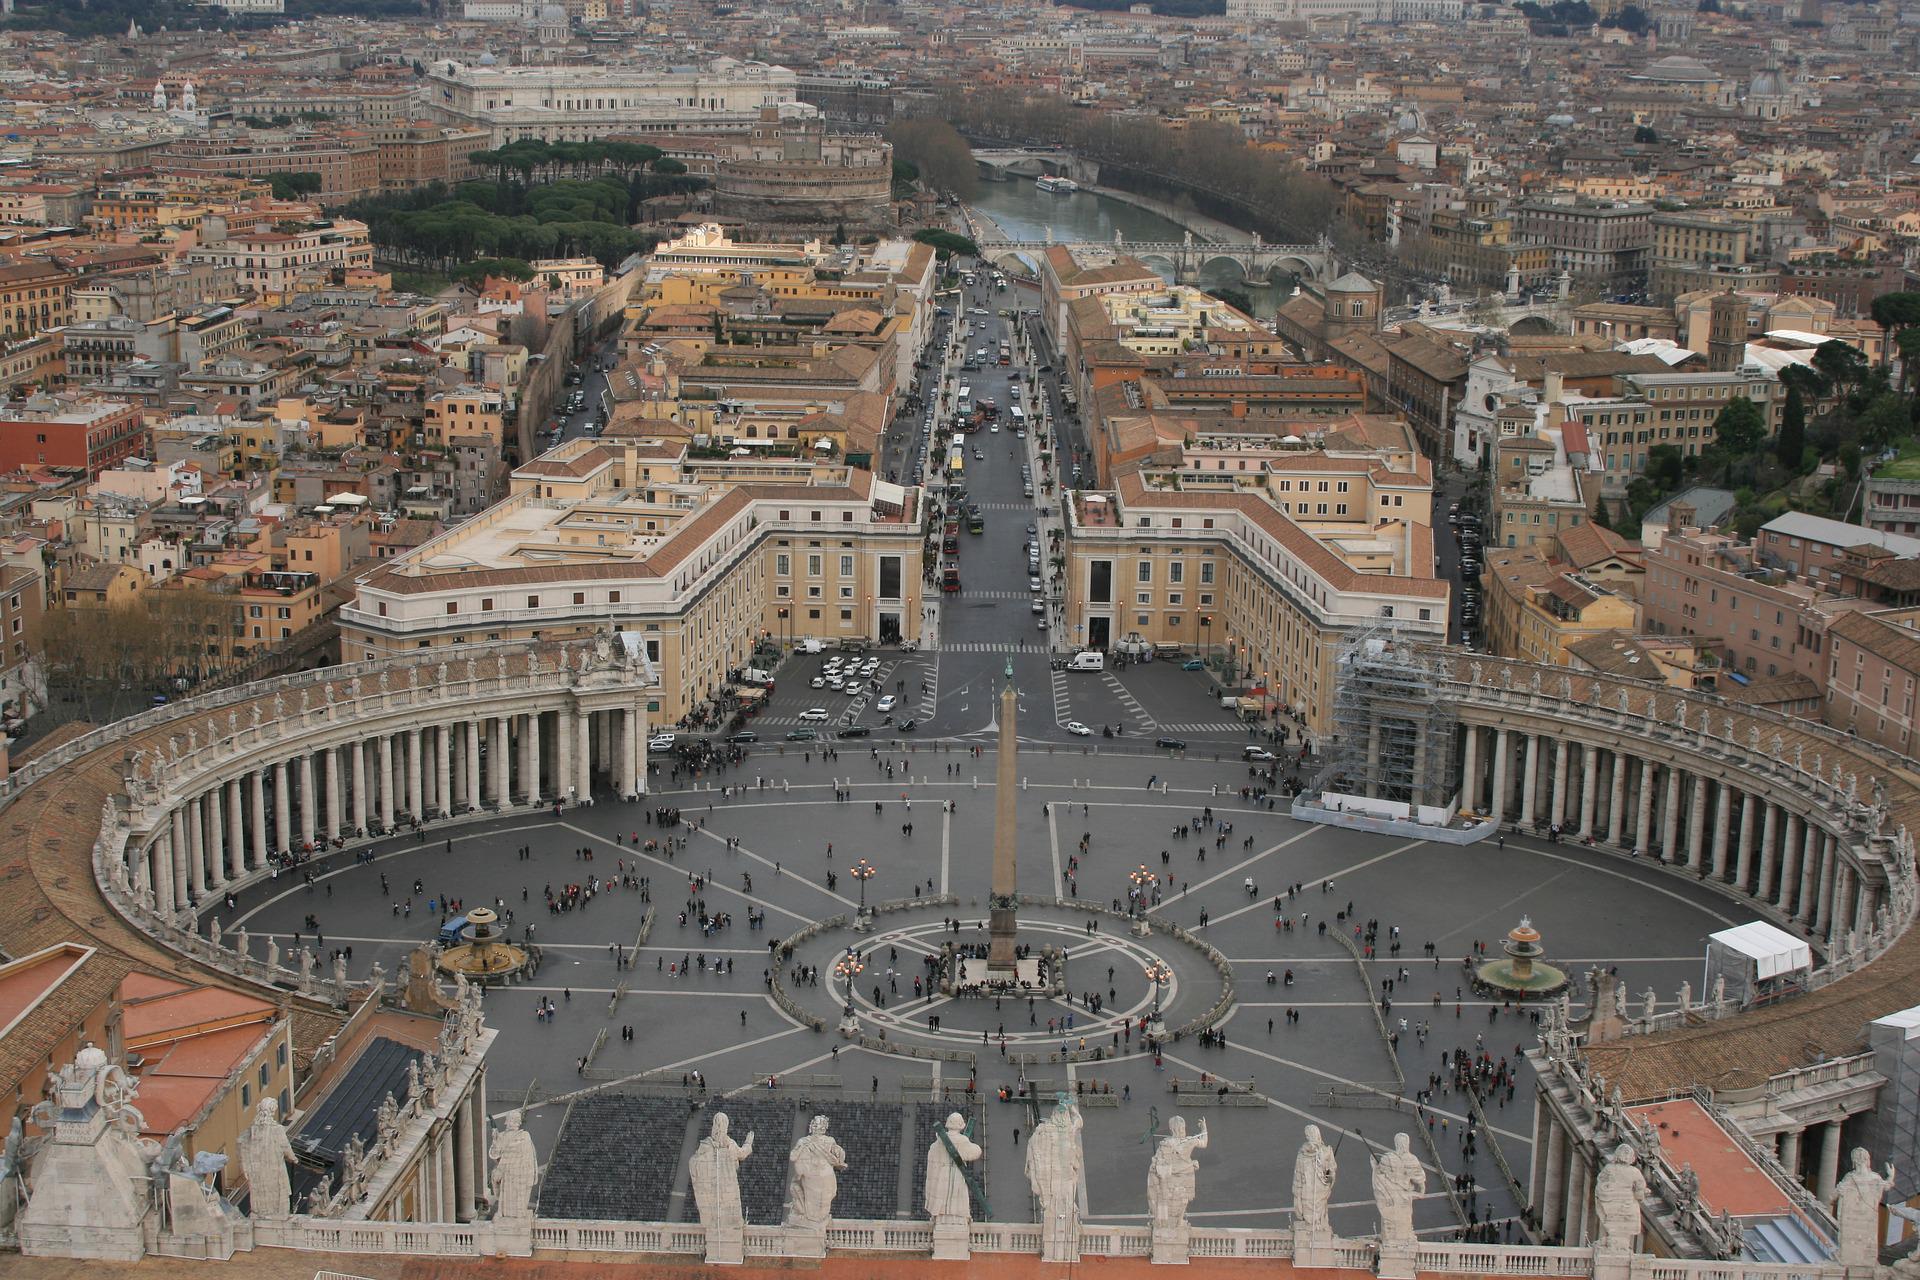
{"type": "Point", "coordinates": [486, 955]}
{"type": "Point", "coordinates": [1523, 973]}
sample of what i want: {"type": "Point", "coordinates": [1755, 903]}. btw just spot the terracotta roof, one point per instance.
{"type": "Point", "coordinates": [1588, 543]}
{"type": "Point", "coordinates": [1899, 645]}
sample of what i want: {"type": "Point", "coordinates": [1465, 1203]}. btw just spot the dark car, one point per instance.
{"type": "Point", "coordinates": [1171, 744]}
{"type": "Point", "coordinates": [908, 725]}
{"type": "Point", "coordinates": [856, 731]}
{"type": "Point", "coordinates": [801, 735]}
{"type": "Point", "coordinates": [745, 735]}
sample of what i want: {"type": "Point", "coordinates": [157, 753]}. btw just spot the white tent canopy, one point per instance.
{"type": "Point", "coordinates": [1773, 952]}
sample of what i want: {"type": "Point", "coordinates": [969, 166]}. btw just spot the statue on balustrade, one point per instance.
{"type": "Point", "coordinates": [1856, 1206]}
{"type": "Point", "coordinates": [514, 1168]}
{"type": "Point", "coordinates": [716, 1190]}
{"type": "Point", "coordinates": [1313, 1174]}
{"type": "Point", "coordinates": [949, 1199]}
{"type": "Point", "coordinates": [1055, 1161]}
{"type": "Point", "coordinates": [812, 1179]}
{"type": "Point", "coordinates": [1172, 1175]}
{"type": "Point", "coordinates": [1618, 1190]}
{"type": "Point", "coordinates": [265, 1154]}
{"type": "Point", "coordinates": [1398, 1180]}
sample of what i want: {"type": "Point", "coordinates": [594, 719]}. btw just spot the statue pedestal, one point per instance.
{"type": "Point", "coordinates": [1140, 929]}
{"type": "Point", "coordinates": [1313, 1250]}
{"type": "Point", "coordinates": [806, 1241]}
{"type": "Point", "coordinates": [951, 1242]}
{"type": "Point", "coordinates": [1612, 1264]}
{"type": "Point", "coordinates": [1395, 1262]}
{"type": "Point", "coordinates": [1060, 1242]}
{"type": "Point", "coordinates": [727, 1245]}
{"type": "Point", "coordinates": [849, 1026]}
{"type": "Point", "coordinates": [1171, 1244]}
{"type": "Point", "coordinates": [510, 1237]}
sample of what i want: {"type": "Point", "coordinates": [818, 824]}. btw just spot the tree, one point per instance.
{"type": "Point", "coordinates": [1908, 341]}
{"type": "Point", "coordinates": [668, 165]}
{"type": "Point", "coordinates": [948, 243]}
{"type": "Point", "coordinates": [1884, 421]}
{"type": "Point", "coordinates": [293, 186]}
{"type": "Point", "coordinates": [1897, 310]}
{"type": "Point", "coordinates": [1238, 299]}
{"type": "Point", "coordinates": [1645, 133]}
{"type": "Point", "coordinates": [1840, 364]}
{"type": "Point", "coordinates": [1631, 18]}
{"type": "Point", "coordinates": [1600, 516]}
{"type": "Point", "coordinates": [1792, 444]}
{"type": "Point", "coordinates": [1739, 429]}
{"type": "Point", "coordinates": [936, 149]}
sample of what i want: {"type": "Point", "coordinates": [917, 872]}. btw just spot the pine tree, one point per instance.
{"type": "Point", "coordinates": [1600, 516]}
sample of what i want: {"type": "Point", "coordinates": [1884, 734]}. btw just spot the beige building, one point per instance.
{"type": "Point", "coordinates": [1266, 568]}
{"type": "Point", "coordinates": [706, 558]}
{"type": "Point", "coordinates": [1538, 610]}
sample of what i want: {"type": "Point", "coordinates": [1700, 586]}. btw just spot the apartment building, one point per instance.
{"type": "Point", "coordinates": [269, 259]}
{"type": "Point", "coordinates": [34, 297]}
{"type": "Point", "coordinates": [580, 102]}
{"type": "Point", "coordinates": [1816, 549]}
{"type": "Point", "coordinates": [1697, 250]}
{"type": "Point", "coordinates": [1538, 610]}
{"type": "Point", "coordinates": [1269, 566]}
{"type": "Point", "coordinates": [1604, 243]}
{"type": "Point", "coordinates": [1873, 663]}
{"type": "Point", "coordinates": [704, 557]}
{"type": "Point", "coordinates": [1764, 622]}
{"type": "Point", "coordinates": [79, 433]}
{"type": "Point", "coordinates": [466, 411]}
{"type": "Point", "coordinates": [348, 161]}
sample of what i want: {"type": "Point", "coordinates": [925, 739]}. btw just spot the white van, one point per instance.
{"type": "Point", "coordinates": [809, 645]}
{"type": "Point", "coordinates": [1019, 416]}
{"type": "Point", "coordinates": [1087, 660]}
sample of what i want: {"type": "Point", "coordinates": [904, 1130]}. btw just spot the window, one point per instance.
{"type": "Point", "coordinates": [782, 565]}
{"type": "Point", "coordinates": [1176, 572]}
{"type": "Point", "coordinates": [846, 566]}
{"type": "Point", "coordinates": [813, 566]}
{"type": "Point", "coordinates": [1144, 571]}
{"type": "Point", "coordinates": [1206, 574]}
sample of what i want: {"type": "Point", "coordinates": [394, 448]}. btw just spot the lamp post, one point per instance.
{"type": "Point", "coordinates": [1206, 636]}
{"type": "Point", "coordinates": [1143, 881]}
{"type": "Point", "coordinates": [1227, 672]}
{"type": "Point", "coordinates": [1159, 975]}
{"type": "Point", "coordinates": [864, 871]}
{"type": "Point", "coordinates": [848, 968]}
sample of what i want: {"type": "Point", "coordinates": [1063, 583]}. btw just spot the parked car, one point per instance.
{"type": "Point", "coordinates": [661, 742]}
{"type": "Point", "coordinates": [1193, 664]}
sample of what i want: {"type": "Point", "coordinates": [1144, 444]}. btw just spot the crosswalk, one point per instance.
{"type": "Point", "coordinates": [1127, 700]}
{"type": "Point", "coordinates": [1062, 705]}
{"type": "Point", "coordinates": [994, 595]}
{"type": "Point", "coordinates": [1200, 726]}
{"type": "Point", "coordinates": [987, 646]}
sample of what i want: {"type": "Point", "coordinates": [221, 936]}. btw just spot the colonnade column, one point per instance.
{"type": "Point", "coordinates": [443, 768]}
{"type": "Point", "coordinates": [177, 854]}
{"type": "Point", "coordinates": [416, 776]}
{"type": "Point", "coordinates": [307, 814]}
{"type": "Point", "coordinates": [473, 766]}
{"type": "Point", "coordinates": [502, 767]}
{"type": "Point", "coordinates": [530, 757]}
{"type": "Point", "coordinates": [1790, 1152]}
{"type": "Point", "coordinates": [1670, 818]}
{"type": "Point", "coordinates": [1643, 820]}
{"type": "Point", "coordinates": [1769, 851]}
{"type": "Point", "coordinates": [1749, 829]}
{"type": "Point", "coordinates": [331, 757]}
{"type": "Point", "coordinates": [1502, 754]}
{"type": "Point", "coordinates": [1617, 800]}
{"type": "Point", "coordinates": [358, 779]}
{"type": "Point", "coordinates": [1697, 825]}
{"type": "Point", "coordinates": [214, 827]}
{"type": "Point", "coordinates": [1579, 1186]}
{"type": "Point", "coordinates": [463, 1163]}
{"type": "Point", "coordinates": [236, 831]}
{"type": "Point", "coordinates": [257, 784]}
{"type": "Point", "coordinates": [562, 753]}
{"type": "Point", "coordinates": [196, 852]}
{"type": "Point", "coordinates": [1722, 821]}
{"type": "Point", "coordinates": [1529, 779]}
{"type": "Point", "coordinates": [1589, 785]}
{"type": "Point", "coordinates": [1557, 814]}
{"type": "Point", "coordinates": [1790, 844]}
{"type": "Point", "coordinates": [583, 753]}
{"type": "Point", "coordinates": [1470, 770]}
{"type": "Point", "coordinates": [1829, 1160]}
{"type": "Point", "coordinates": [385, 766]}
{"type": "Point", "coordinates": [282, 827]}
{"type": "Point", "coordinates": [1818, 860]}
{"type": "Point", "coordinates": [166, 884]}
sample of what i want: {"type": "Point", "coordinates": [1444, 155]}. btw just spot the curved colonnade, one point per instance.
{"type": "Point", "coordinates": [1810, 828]}
{"type": "Point", "coordinates": [196, 799]}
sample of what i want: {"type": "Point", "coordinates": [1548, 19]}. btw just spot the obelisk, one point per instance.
{"type": "Point", "coordinates": [1002, 926]}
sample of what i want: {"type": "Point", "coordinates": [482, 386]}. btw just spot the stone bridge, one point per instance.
{"type": "Point", "coordinates": [1007, 166]}
{"type": "Point", "coordinates": [1188, 257]}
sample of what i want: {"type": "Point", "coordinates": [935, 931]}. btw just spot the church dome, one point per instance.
{"type": "Point", "coordinates": [1767, 83]}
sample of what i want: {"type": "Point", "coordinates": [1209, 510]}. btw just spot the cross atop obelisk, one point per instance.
{"type": "Point", "coordinates": [1001, 923]}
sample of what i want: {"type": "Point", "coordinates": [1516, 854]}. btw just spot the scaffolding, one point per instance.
{"type": "Point", "coordinates": [1394, 735]}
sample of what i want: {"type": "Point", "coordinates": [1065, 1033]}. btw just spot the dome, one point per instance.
{"type": "Point", "coordinates": [1766, 84]}
{"type": "Point", "coordinates": [1679, 68]}
{"type": "Point", "coordinates": [488, 60]}
{"type": "Point", "coordinates": [553, 13]}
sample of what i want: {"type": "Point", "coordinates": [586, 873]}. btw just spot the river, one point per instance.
{"type": "Point", "coordinates": [1025, 212]}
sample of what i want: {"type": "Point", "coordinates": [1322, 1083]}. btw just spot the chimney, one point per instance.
{"type": "Point", "coordinates": [1679, 516]}
{"type": "Point", "coordinates": [1555, 388]}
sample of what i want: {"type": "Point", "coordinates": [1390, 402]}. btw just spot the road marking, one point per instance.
{"type": "Point", "coordinates": [1062, 704]}
{"type": "Point", "coordinates": [712, 886]}
{"type": "Point", "coordinates": [1294, 839]}
{"type": "Point", "coordinates": [1053, 843]}
{"type": "Point", "coordinates": [768, 864]}
{"type": "Point", "coordinates": [671, 1066]}
{"type": "Point", "coordinates": [1268, 906]}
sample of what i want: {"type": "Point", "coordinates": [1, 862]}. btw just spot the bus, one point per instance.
{"type": "Point", "coordinates": [950, 576]}
{"type": "Point", "coordinates": [976, 523]}
{"type": "Point", "coordinates": [956, 460]}
{"type": "Point", "coordinates": [950, 538]}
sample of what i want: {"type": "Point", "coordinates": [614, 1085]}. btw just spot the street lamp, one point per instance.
{"type": "Point", "coordinates": [848, 968]}
{"type": "Point", "coordinates": [864, 871]}
{"type": "Point", "coordinates": [786, 625]}
{"type": "Point", "coordinates": [1206, 636]}
{"type": "Point", "coordinates": [1159, 975]}
{"type": "Point", "coordinates": [1143, 881]}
